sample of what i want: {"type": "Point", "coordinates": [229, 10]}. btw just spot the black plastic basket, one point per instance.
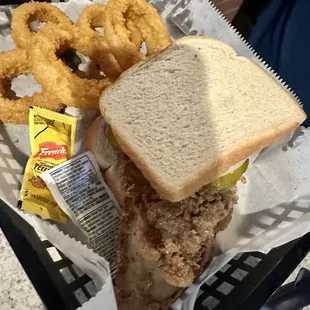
{"type": "Point", "coordinates": [246, 282]}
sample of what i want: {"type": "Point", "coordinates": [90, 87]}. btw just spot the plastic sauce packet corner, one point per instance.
{"type": "Point", "coordinates": [52, 138]}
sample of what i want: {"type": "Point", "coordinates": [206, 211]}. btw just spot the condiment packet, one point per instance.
{"type": "Point", "coordinates": [52, 138]}
{"type": "Point", "coordinates": [79, 189]}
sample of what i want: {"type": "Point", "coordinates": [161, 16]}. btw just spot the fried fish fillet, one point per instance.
{"type": "Point", "coordinates": [163, 246]}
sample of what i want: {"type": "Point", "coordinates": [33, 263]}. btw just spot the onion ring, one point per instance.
{"type": "Point", "coordinates": [135, 34]}
{"type": "Point", "coordinates": [91, 43]}
{"type": "Point", "coordinates": [12, 64]}
{"type": "Point", "coordinates": [28, 12]}
{"type": "Point", "coordinates": [93, 17]}
{"type": "Point", "coordinates": [55, 76]}
{"type": "Point", "coordinates": [122, 19]}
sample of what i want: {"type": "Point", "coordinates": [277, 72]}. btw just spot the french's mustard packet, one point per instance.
{"type": "Point", "coordinates": [52, 138]}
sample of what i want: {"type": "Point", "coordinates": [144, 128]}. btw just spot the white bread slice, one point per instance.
{"type": "Point", "coordinates": [186, 115]}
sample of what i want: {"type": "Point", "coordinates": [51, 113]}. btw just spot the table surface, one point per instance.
{"type": "Point", "coordinates": [16, 290]}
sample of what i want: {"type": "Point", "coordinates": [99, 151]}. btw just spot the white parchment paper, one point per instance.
{"type": "Point", "coordinates": [274, 203]}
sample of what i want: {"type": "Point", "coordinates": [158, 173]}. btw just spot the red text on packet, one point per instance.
{"type": "Point", "coordinates": [52, 150]}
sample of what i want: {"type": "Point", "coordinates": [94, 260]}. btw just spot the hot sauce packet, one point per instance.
{"type": "Point", "coordinates": [52, 138]}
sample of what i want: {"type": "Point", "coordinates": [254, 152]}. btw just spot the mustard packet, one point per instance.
{"type": "Point", "coordinates": [52, 139]}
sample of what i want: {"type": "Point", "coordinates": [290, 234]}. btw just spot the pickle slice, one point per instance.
{"type": "Point", "coordinates": [229, 180]}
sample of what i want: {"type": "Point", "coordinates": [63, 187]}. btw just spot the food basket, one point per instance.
{"type": "Point", "coordinates": [245, 282]}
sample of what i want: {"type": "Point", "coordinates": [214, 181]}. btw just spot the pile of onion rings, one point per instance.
{"type": "Point", "coordinates": [126, 25]}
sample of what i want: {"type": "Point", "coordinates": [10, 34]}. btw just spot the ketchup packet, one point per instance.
{"type": "Point", "coordinates": [52, 138]}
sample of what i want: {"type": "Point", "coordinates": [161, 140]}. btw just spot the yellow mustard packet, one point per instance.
{"type": "Point", "coordinates": [52, 139]}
